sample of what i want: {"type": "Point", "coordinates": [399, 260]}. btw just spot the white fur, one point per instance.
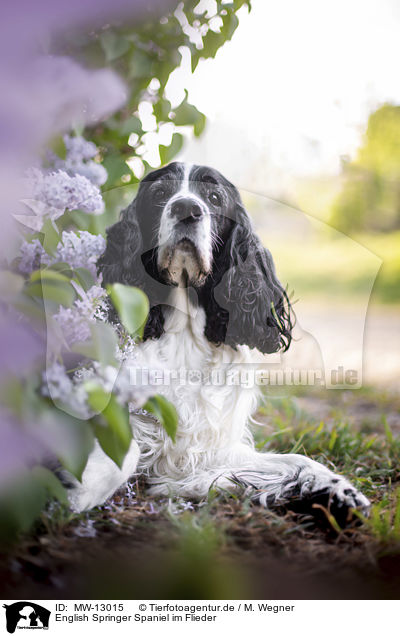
{"type": "Point", "coordinates": [214, 444]}
{"type": "Point", "coordinates": [200, 235]}
{"type": "Point", "coordinates": [101, 478]}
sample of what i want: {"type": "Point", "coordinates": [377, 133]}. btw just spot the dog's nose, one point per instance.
{"type": "Point", "coordinates": [186, 210]}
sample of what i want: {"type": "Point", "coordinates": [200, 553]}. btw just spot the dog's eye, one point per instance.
{"type": "Point", "coordinates": [159, 194]}
{"type": "Point", "coordinates": [214, 198]}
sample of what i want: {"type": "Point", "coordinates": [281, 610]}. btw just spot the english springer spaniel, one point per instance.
{"type": "Point", "coordinates": [216, 304]}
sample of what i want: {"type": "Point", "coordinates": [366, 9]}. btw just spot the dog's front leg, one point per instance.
{"type": "Point", "coordinates": [100, 479]}
{"type": "Point", "coordinates": [275, 480]}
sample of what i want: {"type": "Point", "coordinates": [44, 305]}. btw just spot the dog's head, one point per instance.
{"type": "Point", "coordinates": [188, 227]}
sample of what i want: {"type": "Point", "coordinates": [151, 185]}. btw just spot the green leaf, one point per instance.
{"type": "Point", "coordinates": [165, 412]}
{"type": "Point", "coordinates": [20, 505]}
{"type": "Point", "coordinates": [109, 442]}
{"type": "Point", "coordinates": [48, 275]}
{"type": "Point", "coordinates": [115, 435]}
{"type": "Point", "coordinates": [113, 45]}
{"type": "Point", "coordinates": [57, 146]}
{"type": "Point", "coordinates": [211, 43]}
{"type": "Point", "coordinates": [199, 125]}
{"type": "Point", "coordinates": [162, 109]}
{"type": "Point", "coordinates": [49, 481]}
{"type": "Point", "coordinates": [61, 268]}
{"type": "Point", "coordinates": [52, 290]}
{"type": "Point", "coordinates": [10, 285]}
{"type": "Point", "coordinates": [84, 278]}
{"type": "Point", "coordinates": [98, 398]}
{"type": "Point", "coordinates": [230, 24]}
{"type": "Point", "coordinates": [101, 346]}
{"type": "Point", "coordinates": [30, 307]}
{"type": "Point", "coordinates": [116, 168]}
{"type": "Point", "coordinates": [116, 415]}
{"type": "Point", "coordinates": [132, 306]}
{"type": "Point", "coordinates": [68, 437]}
{"type": "Point", "coordinates": [167, 153]}
{"type": "Point", "coordinates": [130, 125]}
{"type": "Point", "coordinates": [51, 236]}
{"type": "Point", "coordinates": [140, 65]}
{"type": "Point", "coordinates": [186, 114]}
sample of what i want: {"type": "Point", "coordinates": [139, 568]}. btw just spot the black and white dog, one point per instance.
{"type": "Point", "coordinates": [188, 243]}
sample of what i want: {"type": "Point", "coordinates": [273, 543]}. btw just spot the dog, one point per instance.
{"type": "Point", "coordinates": [215, 304]}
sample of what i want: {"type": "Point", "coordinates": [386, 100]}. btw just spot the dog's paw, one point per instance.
{"type": "Point", "coordinates": [344, 495]}
{"type": "Point", "coordinates": [338, 499]}
{"type": "Point", "coordinates": [322, 495]}
{"type": "Point", "coordinates": [101, 478]}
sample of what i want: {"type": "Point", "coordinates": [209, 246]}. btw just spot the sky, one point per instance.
{"type": "Point", "coordinates": [293, 89]}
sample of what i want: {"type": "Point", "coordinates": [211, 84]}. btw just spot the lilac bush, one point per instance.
{"type": "Point", "coordinates": [62, 363]}
{"type": "Point", "coordinates": [67, 406]}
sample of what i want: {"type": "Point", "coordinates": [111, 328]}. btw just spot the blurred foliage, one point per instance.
{"type": "Point", "coordinates": [145, 55]}
{"type": "Point", "coordinates": [334, 269]}
{"type": "Point", "coordinates": [132, 305]}
{"type": "Point", "coordinates": [370, 198]}
{"type": "Point", "coordinates": [69, 436]}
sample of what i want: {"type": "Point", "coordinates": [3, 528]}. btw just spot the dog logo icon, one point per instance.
{"type": "Point", "coordinates": [26, 615]}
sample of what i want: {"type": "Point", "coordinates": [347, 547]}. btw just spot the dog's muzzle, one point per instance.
{"type": "Point", "coordinates": [184, 253]}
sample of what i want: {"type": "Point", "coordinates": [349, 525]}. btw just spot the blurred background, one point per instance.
{"type": "Point", "coordinates": [303, 115]}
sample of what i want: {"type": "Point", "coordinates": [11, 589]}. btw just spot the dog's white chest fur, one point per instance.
{"type": "Point", "coordinates": [192, 372]}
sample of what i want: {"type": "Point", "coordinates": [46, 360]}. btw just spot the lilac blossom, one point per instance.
{"type": "Point", "coordinates": [77, 249]}
{"type": "Point", "coordinates": [81, 249]}
{"type": "Point", "coordinates": [78, 160]}
{"type": "Point", "coordinates": [32, 256]}
{"type": "Point", "coordinates": [63, 94]}
{"type": "Point", "coordinates": [75, 321]}
{"type": "Point", "coordinates": [70, 392]}
{"type": "Point", "coordinates": [50, 195]}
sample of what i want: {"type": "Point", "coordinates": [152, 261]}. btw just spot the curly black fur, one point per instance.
{"type": "Point", "coordinates": [244, 302]}
{"type": "Point", "coordinates": [124, 262]}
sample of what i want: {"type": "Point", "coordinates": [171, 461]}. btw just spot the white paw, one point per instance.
{"type": "Point", "coordinates": [344, 494]}
{"type": "Point", "coordinates": [333, 493]}
{"type": "Point", "coordinates": [101, 478]}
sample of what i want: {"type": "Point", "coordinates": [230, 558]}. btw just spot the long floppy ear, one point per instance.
{"type": "Point", "coordinates": [249, 305]}
{"type": "Point", "coordinates": [122, 262]}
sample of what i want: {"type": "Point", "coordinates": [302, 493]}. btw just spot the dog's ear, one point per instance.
{"type": "Point", "coordinates": [122, 262]}
{"type": "Point", "coordinates": [248, 304]}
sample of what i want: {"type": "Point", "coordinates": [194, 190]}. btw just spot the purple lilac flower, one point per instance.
{"type": "Point", "coordinates": [81, 249]}
{"type": "Point", "coordinates": [78, 249]}
{"type": "Point", "coordinates": [57, 192]}
{"type": "Point", "coordinates": [78, 160]}
{"type": "Point", "coordinates": [74, 321]}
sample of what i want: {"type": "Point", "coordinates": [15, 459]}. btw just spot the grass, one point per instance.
{"type": "Point", "coordinates": [334, 266]}
{"type": "Point", "coordinates": [226, 547]}
{"type": "Point", "coordinates": [371, 457]}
